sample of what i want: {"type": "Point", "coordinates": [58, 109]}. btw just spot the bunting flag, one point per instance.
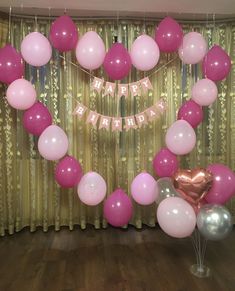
{"type": "Point", "coordinates": [146, 85]}
{"type": "Point", "coordinates": [121, 123]}
{"type": "Point", "coordinates": [116, 124]}
{"type": "Point", "coordinates": [130, 122]}
{"type": "Point", "coordinates": [141, 119]}
{"type": "Point", "coordinates": [92, 118]}
{"type": "Point", "coordinates": [109, 88]}
{"type": "Point", "coordinates": [97, 84]}
{"type": "Point", "coordinates": [105, 122]}
{"type": "Point", "coordinates": [123, 90]}
{"type": "Point", "coordinates": [152, 113]}
{"type": "Point", "coordinates": [79, 110]}
{"type": "Point", "coordinates": [135, 89]}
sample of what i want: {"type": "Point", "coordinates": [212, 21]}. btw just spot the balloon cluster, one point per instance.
{"type": "Point", "coordinates": [184, 197]}
{"type": "Point", "coordinates": [194, 197]}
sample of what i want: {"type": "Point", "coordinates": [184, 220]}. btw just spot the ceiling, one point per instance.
{"type": "Point", "coordinates": [193, 9]}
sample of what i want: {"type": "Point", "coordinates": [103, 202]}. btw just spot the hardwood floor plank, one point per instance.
{"type": "Point", "coordinates": [110, 260]}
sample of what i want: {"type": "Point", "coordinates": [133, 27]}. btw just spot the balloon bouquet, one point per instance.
{"type": "Point", "coordinates": [185, 198]}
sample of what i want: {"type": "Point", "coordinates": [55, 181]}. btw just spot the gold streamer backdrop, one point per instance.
{"type": "Point", "coordinates": [29, 195]}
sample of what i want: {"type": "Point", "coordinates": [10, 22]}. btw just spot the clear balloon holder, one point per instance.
{"type": "Point", "coordinates": [199, 243]}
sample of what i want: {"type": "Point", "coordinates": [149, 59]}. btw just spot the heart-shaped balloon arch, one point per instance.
{"type": "Point", "coordinates": [180, 207]}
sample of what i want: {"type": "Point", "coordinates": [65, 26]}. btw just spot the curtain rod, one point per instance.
{"type": "Point", "coordinates": [121, 18]}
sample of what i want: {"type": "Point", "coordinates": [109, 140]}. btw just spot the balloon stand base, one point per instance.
{"type": "Point", "coordinates": [200, 271]}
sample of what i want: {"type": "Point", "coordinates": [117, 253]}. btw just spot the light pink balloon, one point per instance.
{"type": "Point", "coordinates": [204, 92]}
{"type": "Point", "coordinates": [180, 138]}
{"type": "Point", "coordinates": [21, 94]}
{"type": "Point", "coordinates": [144, 189]}
{"type": "Point", "coordinates": [92, 189]}
{"type": "Point", "coordinates": [36, 49]}
{"type": "Point", "coordinates": [53, 143]}
{"type": "Point", "coordinates": [193, 48]}
{"type": "Point", "coordinates": [144, 53]}
{"type": "Point", "coordinates": [90, 51]}
{"type": "Point", "coordinates": [176, 217]}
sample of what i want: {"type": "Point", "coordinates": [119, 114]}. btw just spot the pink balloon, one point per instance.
{"type": "Point", "coordinates": [165, 163]}
{"type": "Point", "coordinates": [144, 189]}
{"type": "Point", "coordinates": [169, 35]}
{"type": "Point", "coordinates": [216, 64]}
{"type": "Point", "coordinates": [118, 208]}
{"type": "Point", "coordinates": [193, 48]}
{"type": "Point", "coordinates": [68, 172]}
{"type": "Point", "coordinates": [204, 92]}
{"type": "Point", "coordinates": [53, 143]}
{"type": "Point", "coordinates": [223, 187]}
{"type": "Point", "coordinates": [36, 49]}
{"type": "Point", "coordinates": [90, 51]}
{"type": "Point", "coordinates": [92, 189]}
{"type": "Point", "coordinates": [176, 217]}
{"type": "Point", "coordinates": [191, 112]}
{"type": "Point", "coordinates": [144, 53]}
{"type": "Point", "coordinates": [37, 118]}
{"type": "Point", "coordinates": [180, 138]}
{"type": "Point", "coordinates": [21, 94]}
{"type": "Point", "coordinates": [11, 64]}
{"type": "Point", "coordinates": [64, 34]}
{"type": "Point", "coordinates": [117, 62]}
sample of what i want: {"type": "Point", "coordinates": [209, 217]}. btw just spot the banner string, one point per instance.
{"type": "Point", "coordinates": [153, 73]}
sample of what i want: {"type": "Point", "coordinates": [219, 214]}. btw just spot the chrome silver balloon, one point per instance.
{"type": "Point", "coordinates": [166, 189]}
{"type": "Point", "coordinates": [214, 221]}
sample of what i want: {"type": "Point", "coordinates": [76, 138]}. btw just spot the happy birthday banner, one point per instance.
{"type": "Point", "coordinates": [135, 89]}
{"type": "Point", "coordinates": [120, 123]}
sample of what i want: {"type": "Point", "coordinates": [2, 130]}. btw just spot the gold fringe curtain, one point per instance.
{"type": "Point", "coordinates": [29, 195]}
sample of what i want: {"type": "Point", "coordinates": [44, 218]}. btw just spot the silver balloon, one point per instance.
{"type": "Point", "coordinates": [166, 189]}
{"type": "Point", "coordinates": [214, 221]}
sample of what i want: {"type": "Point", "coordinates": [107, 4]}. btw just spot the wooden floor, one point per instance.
{"type": "Point", "coordinates": [110, 260]}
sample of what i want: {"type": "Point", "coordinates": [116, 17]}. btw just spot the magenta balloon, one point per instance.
{"type": "Point", "coordinates": [68, 172]}
{"type": "Point", "coordinates": [118, 208]}
{"type": "Point", "coordinates": [223, 187]}
{"type": "Point", "coordinates": [168, 35]}
{"type": "Point", "coordinates": [216, 64]}
{"type": "Point", "coordinates": [191, 112]}
{"type": "Point", "coordinates": [204, 92]}
{"type": "Point", "coordinates": [53, 143]}
{"type": "Point", "coordinates": [63, 34]}
{"type": "Point", "coordinates": [144, 189]}
{"type": "Point", "coordinates": [165, 163]}
{"type": "Point", "coordinates": [180, 138]}
{"type": "Point", "coordinates": [90, 51]}
{"type": "Point", "coordinates": [11, 64]}
{"type": "Point", "coordinates": [176, 217]}
{"type": "Point", "coordinates": [144, 53]}
{"type": "Point", "coordinates": [36, 49]}
{"type": "Point", "coordinates": [37, 118]}
{"type": "Point", "coordinates": [21, 94]}
{"type": "Point", "coordinates": [92, 189]}
{"type": "Point", "coordinates": [117, 62]}
{"type": "Point", "coordinates": [193, 48]}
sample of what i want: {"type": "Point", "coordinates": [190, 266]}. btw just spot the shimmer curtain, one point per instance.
{"type": "Point", "coordinates": [29, 195]}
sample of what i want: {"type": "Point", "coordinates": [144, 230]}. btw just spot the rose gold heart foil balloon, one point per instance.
{"type": "Point", "coordinates": [193, 185]}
